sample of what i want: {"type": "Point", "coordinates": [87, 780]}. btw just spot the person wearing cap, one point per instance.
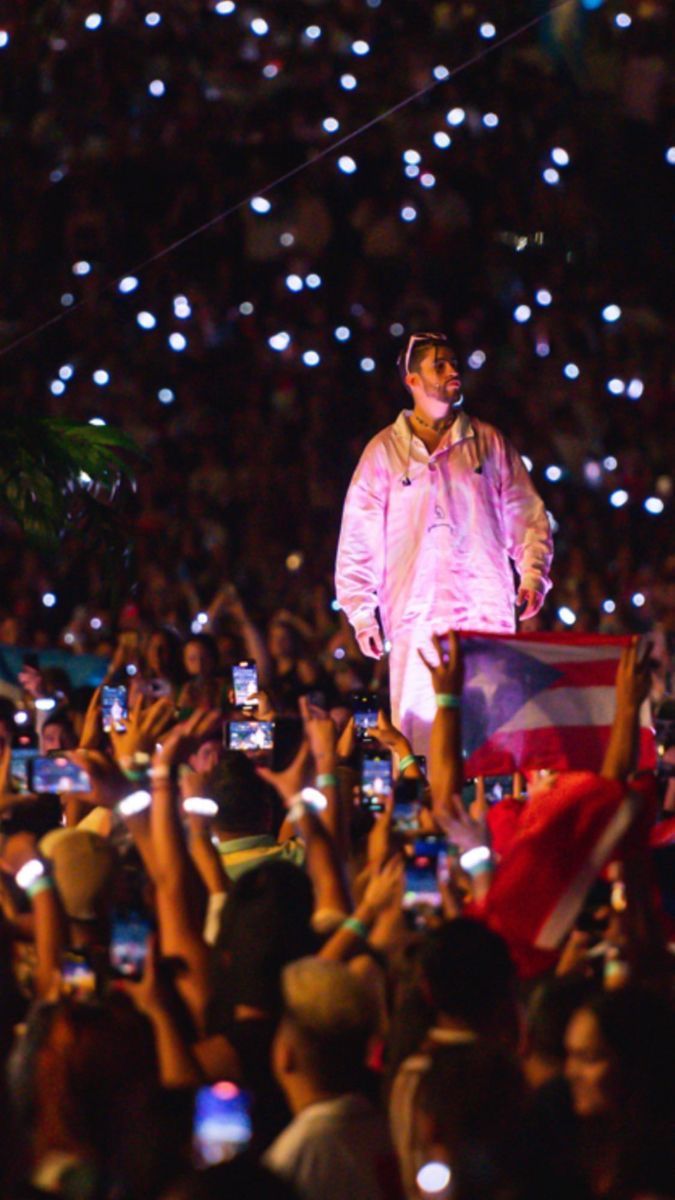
{"type": "Point", "coordinates": [439, 511]}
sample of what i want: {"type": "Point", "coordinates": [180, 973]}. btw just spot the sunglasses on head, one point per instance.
{"type": "Point", "coordinates": [432, 339]}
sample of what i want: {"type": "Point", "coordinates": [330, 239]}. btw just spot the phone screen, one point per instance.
{"type": "Point", "coordinates": [57, 774]}
{"type": "Point", "coordinates": [114, 707]}
{"type": "Point", "coordinates": [250, 735]}
{"type": "Point", "coordinates": [245, 683]}
{"type": "Point", "coordinates": [365, 709]}
{"type": "Point", "coordinates": [421, 871]}
{"type": "Point", "coordinates": [376, 780]}
{"type": "Point", "coordinates": [222, 1123]}
{"type": "Point", "coordinates": [79, 977]}
{"type": "Point", "coordinates": [129, 945]}
{"type": "Point", "coordinates": [408, 795]}
{"type": "Point", "coordinates": [20, 769]}
{"type": "Point", "coordinates": [497, 787]}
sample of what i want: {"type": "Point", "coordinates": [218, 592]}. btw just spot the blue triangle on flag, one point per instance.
{"type": "Point", "coordinates": [499, 678]}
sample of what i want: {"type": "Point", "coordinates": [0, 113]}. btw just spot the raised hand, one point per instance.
{"type": "Point", "coordinates": [448, 674]}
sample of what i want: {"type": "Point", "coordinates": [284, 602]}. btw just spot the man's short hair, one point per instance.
{"type": "Point", "coordinates": [241, 795]}
{"type": "Point", "coordinates": [412, 354]}
{"type": "Point", "coordinates": [333, 1016]}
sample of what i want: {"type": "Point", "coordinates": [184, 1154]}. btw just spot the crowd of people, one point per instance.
{"type": "Point", "coordinates": [107, 173]}
{"type": "Point", "coordinates": [241, 972]}
{"type": "Point", "coordinates": [236, 958]}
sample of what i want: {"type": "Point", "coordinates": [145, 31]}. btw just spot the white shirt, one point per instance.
{"type": "Point", "coordinates": [337, 1150]}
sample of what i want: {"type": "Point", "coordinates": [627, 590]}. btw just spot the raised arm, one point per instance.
{"type": "Point", "coordinates": [360, 557]}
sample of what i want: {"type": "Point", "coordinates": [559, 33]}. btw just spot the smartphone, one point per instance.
{"type": "Point", "coordinates": [423, 860]}
{"type": "Point", "coordinates": [129, 933]}
{"type": "Point", "coordinates": [78, 976]}
{"type": "Point", "coordinates": [20, 767]}
{"type": "Point", "coordinates": [57, 774]}
{"type": "Point", "coordinates": [365, 709]}
{"type": "Point", "coordinates": [114, 707]}
{"type": "Point", "coordinates": [245, 684]}
{"type": "Point", "coordinates": [497, 787]}
{"type": "Point", "coordinates": [222, 1124]}
{"type": "Point", "coordinates": [250, 735]}
{"type": "Point", "coordinates": [376, 779]}
{"type": "Point", "coordinates": [408, 794]}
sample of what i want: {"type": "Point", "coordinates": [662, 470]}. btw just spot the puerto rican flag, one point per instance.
{"type": "Point", "coordinates": [542, 701]}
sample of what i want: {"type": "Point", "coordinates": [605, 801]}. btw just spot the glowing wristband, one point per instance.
{"type": "Point", "coordinates": [200, 806]}
{"type": "Point", "coordinates": [134, 803]}
{"type": "Point", "coordinates": [355, 926]}
{"type": "Point", "coordinates": [447, 700]}
{"type": "Point", "coordinates": [43, 884]}
{"type": "Point", "coordinates": [408, 761]}
{"type": "Point", "coordinates": [29, 873]}
{"type": "Point", "coordinates": [160, 773]}
{"type": "Point", "coordinates": [475, 861]}
{"type": "Point", "coordinates": [296, 812]}
{"type": "Point", "coordinates": [323, 781]}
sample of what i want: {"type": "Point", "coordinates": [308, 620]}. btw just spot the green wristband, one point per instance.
{"type": "Point", "coordinates": [408, 761]}
{"type": "Point", "coordinates": [323, 781]}
{"type": "Point", "coordinates": [43, 884]}
{"type": "Point", "coordinates": [447, 700]}
{"type": "Point", "coordinates": [356, 926]}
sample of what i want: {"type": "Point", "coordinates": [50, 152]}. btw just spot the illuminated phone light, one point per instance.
{"type": "Point", "coordinates": [487, 30]}
{"type": "Point", "coordinates": [181, 308]}
{"type": "Point", "coordinates": [177, 342]}
{"type": "Point", "coordinates": [312, 33]}
{"type": "Point", "coordinates": [96, 623]}
{"type": "Point", "coordinates": [97, 421]}
{"type": "Point", "coordinates": [330, 124]}
{"type": "Point", "coordinates": [200, 806]}
{"type": "Point", "coordinates": [347, 82]}
{"type": "Point", "coordinates": [270, 70]}
{"type": "Point", "coordinates": [455, 116]}
{"type": "Point", "coordinates": [654, 505]}
{"type": "Point", "coordinates": [592, 472]}
{"type": "Point", "coordinates": [412, 156]}
{"type": "Point", "coordinates": [560, 156]}
{"type": "Point", "coordinates": [339, 652]}
{"type": "Point", "coordinates": [619, 498]}
{"type": "Point", "coordinates": [433, 1178]}
{"type": "Point", "coordinates": [476, 360]}
{"type": "Point", "coordinates": [313, 280]}
{"type": "Point", "coordinates": [131, 669]}
{"type": "Point", "coordinates": [490, 120]}
{"type": "Point", "coordinates": [411, 171]}
{"type": "Point", "coordinates": [440, 72]}
{"type": "Point", "coordinates": [146, 320]}
{"type": "Point", "coordinates": [294, 561]}
{"type": "Point", "coordinates": [342, 333]}
{"type": "Point", "coordinates": [165, 396]}
{"type": "Point", "coordinates": [408, 213]}
{"type": "Point", "coordinates": [93, 21]}
{"type": "Point", "coordinates": [135, 803]}
{"type": "Point", "coordinates": [428, 180]}
{"type": "Point", "coordinates": [442, 139]}
{"type": "Point", "coordinates": [542, 349]}
{"type": "Point", "coordinates": [616, 386]}
{"type": "Point", "coordinates": [101, 378]}
{"type": "Point", "coordinates": [610, 463]}
{"type": "Point", "coordinates": [638, 599]}
{"type": "Point", "coordinates": [367, 365]}
{"type": "Point", "coordinates": [346, 164]}
{"type": "Point", "coordinates": [522, 313]}
{"type": "Point", "coordinates": [57, 387]}
{"type": "Point", "coordinates": [66, 372]}
{"type": "Point", "coordinates": [670, 156]}
{"type": "Point", "coordinates": [195, 626]}
{"type": "Point", "coordinates": [474, 858]}
{"type": "Point", "coordinates": [20, 717]}
{"type": "Point", "coordinates": [623, 20]}
{"type": "Point", "coordinates": [294, 283]}
{"type": "Point", "coordinates": [543, 297]}
{"type": "Point", "coordinates": [567, 615]}
{"type": "Point", "coordinates": [45, 703]}
{"type": "Point", "coordinates": [360, 48]}
{"type": "Point", "coordinates": [4, 38]}
{"type": "Point", "coordinates": [260, 204]}
{"type": "Point", "coordinates": [152, 19]}
{"type": "Point", "coordinates": [81, 268]}
{"type": "Point", "coordinates": [554, 474]}
{"type": "Point", "coordinates": [635, 389]}
{"type": "Point", "coordinates": [225, 7]}
{"type": "Point", "coordinates": [311, 358]}
{"type": "Point", "coordinates": [246, 309]}
{"type": "Point", "coordinates": [29, 873]}
{"type": "Point", "coordinates": [259, 26]}
{"type": "Point", "coordinates": [67, 299]}
{"type": "Point", "coordinates": [202, 618]}
{"type": "Point", "coordinates": [551, 176]}
{"type": "Point", "coordinates": [571, 371]}
{"type": "Point", "coordinates": [611, 313]}
{"type": "Point", "coordinates": [156, 87]}
{"type": "Point", "coordinates": [128, 284]}
{"type": "Point", "coordinates": [608, 606]}
{"type": "Point", "coordinates": [279, 341]}
{"type": "Point", "coordinates": [49, 599]}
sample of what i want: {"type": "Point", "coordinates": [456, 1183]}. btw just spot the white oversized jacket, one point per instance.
{"type": "Point", "coordinates": [439, 548]}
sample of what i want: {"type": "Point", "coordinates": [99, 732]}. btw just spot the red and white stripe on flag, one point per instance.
{"type": "Point", "coordinates": [564, 725]}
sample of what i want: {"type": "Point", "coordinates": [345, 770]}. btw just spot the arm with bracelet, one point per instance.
{"type": "Point", "coordinates": [20, 858]}
{"type": "Point", "coordinates": [355, 930]}
{"type": "Point", "coordinates": [445, 753]}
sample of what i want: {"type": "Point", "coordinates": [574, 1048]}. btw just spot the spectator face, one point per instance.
{"type": "Point", "coordinates": [589, 1067]}
{"type": "Point", "coordinates": [207, 756]}
{"type": "Point", "coordinates": [55, 737]}
{"type": "Point", "coordinates": [157, 655]}
{"type": "Point", "coordinates": [280, 641]}
{"type": "Point", "coordinates": [197, 660]}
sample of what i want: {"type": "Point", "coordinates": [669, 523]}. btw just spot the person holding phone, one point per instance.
{"type": "Point", "coordinates": [439, 511]}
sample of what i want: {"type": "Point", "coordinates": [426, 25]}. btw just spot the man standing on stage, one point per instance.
{"type": "Point", "coordinates": [438, 509]}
